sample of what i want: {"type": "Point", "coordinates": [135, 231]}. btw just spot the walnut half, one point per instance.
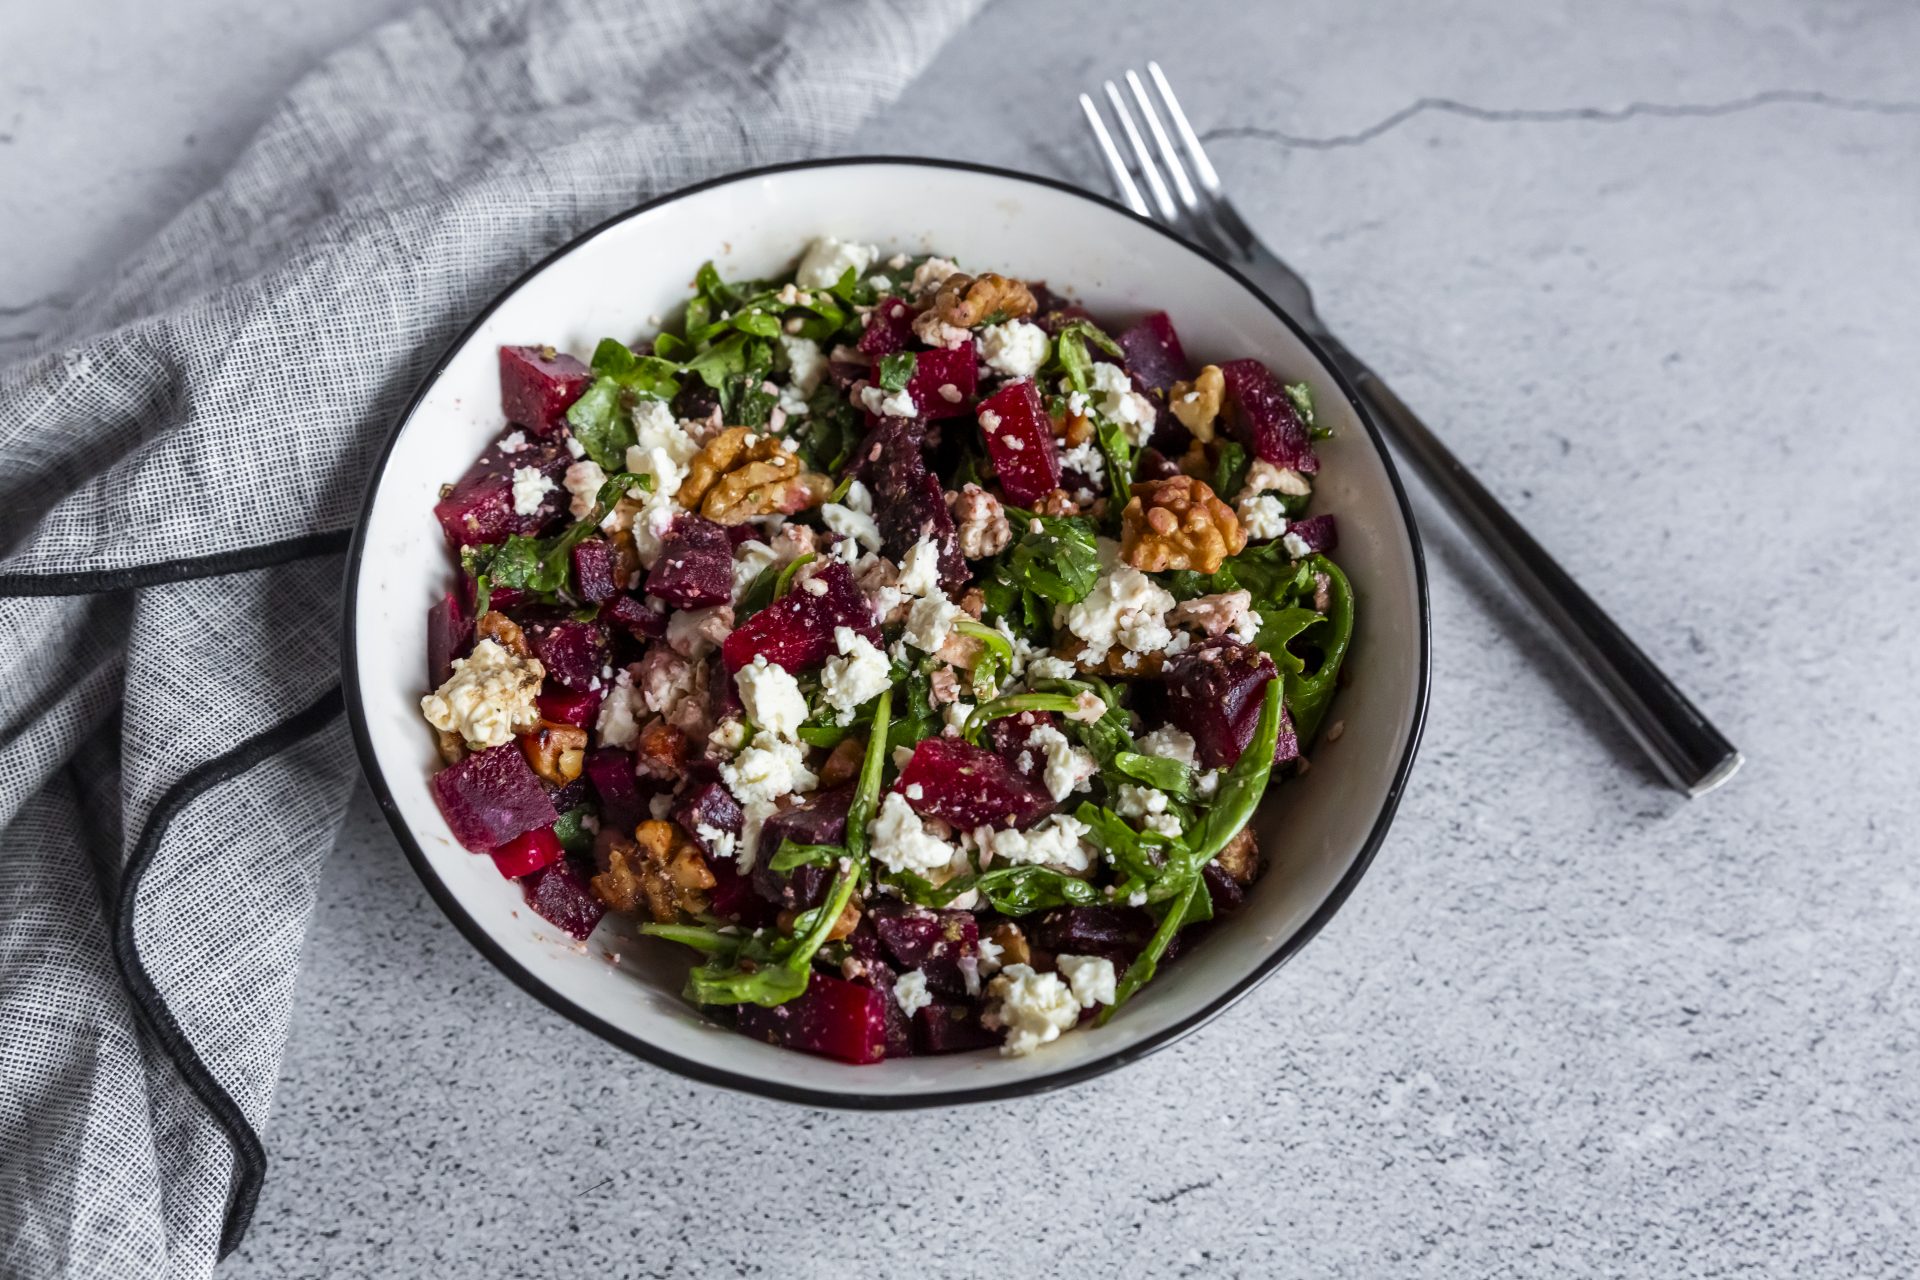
{"type": "Point", "coordinates": [659, 869]}
{"type": "Point", "coordinates": [742, 473]}
{"type": "Point", "coordinates": [966, 301]}
{"type": "Point", "coordinates": [1197, 403]}
{"type": "Point", "coordinates": [1178, 523]}
{"type": "Point", "coordinates": [556, 751]}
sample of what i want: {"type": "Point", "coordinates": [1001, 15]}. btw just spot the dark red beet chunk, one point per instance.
{"type": "Point", "coordinates": [951, 1028]}
{"type": "Point", "coordinates": [579, 707]}
{"type": "Point", "coordinates": [632, 613]}
{"type": "Point", "coordinates": [1020, 442]}
{"type": "Point", "coordinates": [480, 506]}
{"type": "Point", "coordinates": [820, 819]}
{"type": "Point", "coordinates": [610, 770]}
{"type": "Point", "coordinates": [712, 806]}
{"type": "Point", "coordinates": [695, 568]}
{"type": "Point", "coordinates": [935, 942]}
{"type": "Point", "coordinates": [889, 330]}
{"type": "Point", "coordinates": [537, 384]}
{"type": "Point", "coordinates": [527, 852]}
{"type": "Point", "coordinates": [970, 786]}
{"type": "Point", "coordinates": [1214, 691]}
{"type": "Point", "coordinates": [732, 896]}
{"type": "Point", "coordinates": [593, 570]}
{"type": "Point", "coordinates": [560, 897]}
{"type": "Point", "coordinates": [1115, 933]}
{"type": "Point", "coordinates": [1154, 352]}
{"type": "Point", "coordinates": [943, 368]}
{"type": "Point", "coordinates": [572, 652]}
{"type": "Point", "coordinates": [491, 797]}
{"type": "Point", "coordinates": [1261, 416]}
{"type": "Point", "coordinates": [1008, 737]}
{"type": "Point", "coordinates": [1287, 746]}
{"type": "Point", "coordinates": [796, 631]}
{"type": "Point", "coordinates": [1226, 892]}
{"type": "Point", "coordinates": [449, 636]}
{"type": "Point", "coordinates": [908, 504]}
{"type": "Point", "coordinates": [833, 1018]}
{"type": "Point", "coordinates": [1318, 532]}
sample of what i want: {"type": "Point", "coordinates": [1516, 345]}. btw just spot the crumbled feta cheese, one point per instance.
{"type": "Point", "coordinates": [990, 953]}
{"type": "Point", "coordinates": [767, 770]}
{"type": "Point", "coordinates": [805, 363]}
{"type": "Point", "coordinates": [910, 992]}
{"type": "Point", "coordinates": [488, 697]}
{"type": "Point", "coordinates": [1016, 348]}
{"type": "Point", "coordinates": [728, 737]}
{"type": "Point", "coordinates": [859, 673]}
{"type": "Point", "coordinates": [664, 679]}
{"type": "Point", "coordinates": [1091, 977]}
{"type": "Point", "coordinates": [721, 843]}
{"type": "Point", "coordinates": [530, 488]}
{"type": "Point", "coordinates": [857, 529]}
{"type": "Point", "coordinates": [1069, 768]}
{"type": "Point", "coordinates": [1056, 842]}
{"type": "Point", "coordinates": [649, 523]}
{"type": "Point", "coordinates": [901, 842]}
{"type": "Point", "coordinates": [930, 621]}
{"type": "Point", "coordinates": [1172, 743]}
{"type": "Point", "coordinates": [1033, 1008]}
{"type": "Point", "coordinates": [1148, 807]}
{"type": "Point", "coordinates": [880, 283]}
{"type": "Point", "coordinates": [920, 569]}
{"type": "Point", "coordinates": [899, 404]}
{"type": "Point", "coordinates": [1120, 404]}
{"type": "Point", "coordinates": [955, 714]}
{"type": "Point", "coordinates": [619, 722]}
{"type": "Point", "coordinates": [828, 258]}
{"type": "Point", "coordinates": [950, 393]}
{"type": "Point", "coordinates": [1078, 404]}
{"type": "Point", "coordinates": [513, 442]}
{"type": "Point", "coordinates": [1296, 546]}
{"type": "Point", "coordinates": [1262, 518]}
{"type": "Point", "coordinates": [583, 481]}
{"type": "Point", "coordinates": [1264, 477]}
{"type": "Point", "coordinates": [771, 697]}
{"type": "Point", "coordinates": [659, 806]}
{"type": "Point", "coordinates": [1126, 608]}
{"type": "Point", "coordinates": [575, 448]}
{"type": "Point", "coordinates": [931, 274]}
{"type": "Point", "coordinates": [662, 447]}
{"type": "Point", "coordinates": [1047, 667]}
{"type": "Point", "coordinates": [898, 262]}
{"type": "Point", "coordinates": [1087, 459]}
{"type": "Point", "coordinates": [989, 421]}
{"type": "Point", "coordinates": [915, 791]}
{"type": "Point", "coordinates": [751, 559]}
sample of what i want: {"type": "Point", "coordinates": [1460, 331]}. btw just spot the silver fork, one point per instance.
{"type": "Point", "coordinates": [1680, 741]}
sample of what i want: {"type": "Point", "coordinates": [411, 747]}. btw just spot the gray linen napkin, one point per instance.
{"type": "Point", "coordinates": [182, 464]}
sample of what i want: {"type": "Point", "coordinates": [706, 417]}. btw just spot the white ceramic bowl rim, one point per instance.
{"type": "Point", "coordinates": [705, 1072]}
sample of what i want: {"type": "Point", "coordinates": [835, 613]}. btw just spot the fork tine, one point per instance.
{"type": "Point", "coordinates": [1225, 215]}
{"type": "Point", "coordinates": [1162, 198]}
{"type": "Point", "coordinates": [1116, 167]}
{"type": "Point", "coordinates": [1198, 225]}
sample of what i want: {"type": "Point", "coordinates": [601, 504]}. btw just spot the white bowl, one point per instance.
{"type": "Point", "coordinates": [1321, 829]}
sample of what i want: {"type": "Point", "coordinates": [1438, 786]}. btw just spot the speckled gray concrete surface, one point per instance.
{"type": "Point", "coordinates": [1653, 270]}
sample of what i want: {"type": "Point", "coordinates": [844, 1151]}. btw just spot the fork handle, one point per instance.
{"type": "Point", "coordinates": [1682, 743]}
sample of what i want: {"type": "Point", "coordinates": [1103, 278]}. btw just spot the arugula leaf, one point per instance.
{"type": "Point", "coordinates": [1070, 351]}
{"type": "Point", "coordinates": [1012, 891]}
{"type": "Point", "coordinates": [866, 792]}
{"type": "Point", "coordinates": [997, 657]}
{"type": "Point", "coordinates": [897, 370]}
{"type": "Point", "coordinates": [600, 423]}
{"type": "Point", "coordinates": [542, 566]}
{"type": "Point", "coordinates": [1117, 449]}
{"type": "Point", "coordinates": [721, 360]}
{"type": "Point", "coordinates": [1266, 571]}
{"type": "Point", "coordinates": [793, 855]}
{"type": "Point", "coordinates": [649, 376]}
{"type": "Point", "coordinates": [1060, 563]}
{"type": "Point", "coordinates": [921, 720]}
{"type": "Point", "coordinates": [1158, 772]}
{"type": "Point", "coordinates": [571, 831]}
{"type": "Point", "coordinates": [1309, 695]}
{"type": "Point", "coordinates": [1230, 470]}
{"type": "Point", "coordinates": [707, 938]}
{"type": "Point", "coordinates": [1302, 396]}
{"type": "Point", "coordinates": [833, 430]}
{"type": "Point", "coordinates": [759, 593]}
{"type": "Point", "coordinates": [1012, 705]}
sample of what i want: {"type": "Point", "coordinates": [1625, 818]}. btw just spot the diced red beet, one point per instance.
{"type": "Point", "coordinates": [1287, 746]}
{"type": "Point", "coordinates": [908, 503]}
{"type": "Point", "coordinates": [1261, 416]}
{"type": "Point", "coordinates": [579, 707]}
{"type": "Point", "coordinates": [889, 329]}
{"type": "Point", "coordinates": [941, 1027]}
{"type": "Point", "coordinates": [1154, 465]}
{"type": "Point", "coordinates": [572, 652]}
{"type": "Point", "coordinates": [819, 819]}
{"type": "Point", "coordinates": [559, 896]}
{"type": "Point", "coordinates": [943, 368]}
{"type": "Point", "coordinates": [1115, 933]}
{"type": "Point", "coordinates": [1008, 737]}
{"type": "Point", "coordinates": [1318, 532]}
{"type": "Point", "coordinates": [537, 385]}
{"type": "Point", "coordinates": [492, 796]}
{"type": "Point", "coordinates": [1214, 691]}
{"type": "Point", "coordinates": [1153, 351]}
{"type": "Point", "coordinates": [746, 531]}
{"type": "Point", "coordinates": [1020, 442]}
{"type": "Point", "coordinates": [572, 795]}
{"type": "Point", "coordinates": [935, 942]}
{"type": "Point", "coordinates": [1226, 892]}
{"type": "Point", "coordinates": [695, 568]}
{"type": "Point", "coordinates": [796, 631]}
{"type": "Point", "coordinates": [479, 508]}
{"type": "Point", "coordinates": [712, 806]}
{"type": "Point", "coordinates": [593, 570]}
{"type": "Point", "coordinates": [970, 786]}
{"type": "Point", "coordinates": [732, 896]}
{"type": "Point", "coordinates": [832, 1017]}
{"type": "Point", "coordinates": [631, 612]}
{"type": "Point", "coordinates": [449, 636]}
{"type": "Point", "coordinates": [610, 770]}
{"type": "Point", "coordinates": [527, 852]}
{"type": "Point", "coordinates": [696, 400]}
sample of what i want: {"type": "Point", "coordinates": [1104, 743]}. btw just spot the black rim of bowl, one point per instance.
{"type": "Point", "coordinates": [701, 1071]}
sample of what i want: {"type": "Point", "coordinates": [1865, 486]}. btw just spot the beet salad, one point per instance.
{"type": "Point", "coordinates": [909, 645]}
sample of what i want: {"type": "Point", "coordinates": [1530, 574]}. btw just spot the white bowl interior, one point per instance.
{"type": "Point", "coordinates": [1315, 827]}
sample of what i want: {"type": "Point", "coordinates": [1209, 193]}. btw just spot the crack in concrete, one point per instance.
{"type": "Point", "coordinates": [1560, 115]}
{"type": "Point", "coordinates": [1177, 1192]}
